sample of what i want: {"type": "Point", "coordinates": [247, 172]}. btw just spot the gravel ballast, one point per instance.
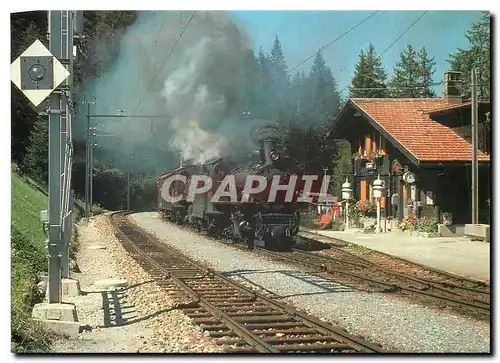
{"type": "Point", "coordinates": [396, 323]}
{"type": "Point", "coordinates": [140, 318]}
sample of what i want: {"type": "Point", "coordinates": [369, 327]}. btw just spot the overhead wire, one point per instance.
{"type": "Point", "coordinates": [334, 40]}
{"type": "Point", "coordinates": [163, 65]}
{"type": "Point", "coordinates": [394, 42]}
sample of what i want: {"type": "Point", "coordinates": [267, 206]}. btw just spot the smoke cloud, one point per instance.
{"type": "Point", "coordinates": [198, 88]}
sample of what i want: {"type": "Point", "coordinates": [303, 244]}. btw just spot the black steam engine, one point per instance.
{"type": "Point", "coordinates": [252, 218]}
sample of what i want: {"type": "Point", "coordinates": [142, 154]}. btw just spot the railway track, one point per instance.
{"type": "Point", "coordinates": [340, 248]}
{"type": "Point", "coordinates": [234, 315]}
{"type": "Point", "coordinates": [463, 295]}
{"type": "Point", "coordinates": [464, 298]}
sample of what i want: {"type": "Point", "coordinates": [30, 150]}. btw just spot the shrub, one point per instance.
{"type": "Point", "coordinates": [426, 224]}
{"type": "Point", "coordinates": [366, 207]}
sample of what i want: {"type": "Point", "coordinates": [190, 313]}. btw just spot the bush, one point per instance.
{"type": "Point", "coordinates": [27, 262]}
{"type": "Point", "coordinates": [425, 224]}
{"type": "Point", "coordinates": [366, 207]}
{"type": "Point", "coordinates": [429, 225]}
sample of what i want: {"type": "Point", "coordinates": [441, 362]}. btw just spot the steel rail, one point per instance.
{"type": "Point", "coordinates": [368, 264]}
{"type": "Point", "coordinates": [482, 308]}
{"type": "Point", "coordinates": [479, 306]}
{"type": "Point", "coordinates": [341, 243]}
{"type": "Point", "coordinates": [253, 339]}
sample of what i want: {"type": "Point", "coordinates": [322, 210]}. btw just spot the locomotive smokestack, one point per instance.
{"type": "Point", "coordinates": [268, 147]}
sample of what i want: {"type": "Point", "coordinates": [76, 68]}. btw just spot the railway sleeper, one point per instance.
{"type": "Point", "coordinates": [244, 301]}
{"type": "Point", "coordinates": [312, 347]}
{"type": "Point", "coordinates": [275, 325]}
{"type": "Point", "coordinates": [309, 339]}
{"type": "Point", "coordinates": [262, 319]}
{"type": "Point", "coordinates": [247, 308]}
{"type": "Point", "coordinates": [237, 341]}
{"type": "Point", "coordinates": [242, 350]}
{"type": "Point", "coordinates": [296, 331]}
{"type": "Point", "coordinates": [224, 296]}
{"type": "Point", "coordinates": [253, 313]}
{"type": "Point", "coordinates": [214, 327]}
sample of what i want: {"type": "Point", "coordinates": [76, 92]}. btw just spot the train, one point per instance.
{"type": "Point", "coordinates": [252, 218]}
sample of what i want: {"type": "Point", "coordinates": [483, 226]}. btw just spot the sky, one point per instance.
{"type": "Point", "coordinates": [302, 33]}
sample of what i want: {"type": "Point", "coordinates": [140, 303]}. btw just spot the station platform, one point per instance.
{"type": "Point", "coordinates": [457, 255]}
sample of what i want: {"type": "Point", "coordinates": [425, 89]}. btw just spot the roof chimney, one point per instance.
{"type": "Point", "coordinates": [452, 87]}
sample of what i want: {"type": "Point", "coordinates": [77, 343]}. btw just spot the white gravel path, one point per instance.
{"type": "Point", "coordinates": [396, 323]}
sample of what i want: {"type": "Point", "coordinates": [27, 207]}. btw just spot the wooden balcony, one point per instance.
{"type": "Point", "coordinates": [369, 168]}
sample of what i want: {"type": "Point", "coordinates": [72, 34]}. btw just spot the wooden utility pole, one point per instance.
{"type": "Point", "coordinates": [474, 130]}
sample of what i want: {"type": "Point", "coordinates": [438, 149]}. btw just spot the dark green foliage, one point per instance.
{"type": "Point", "coordinates": [369, 74]}
{"type": "Point", "coordinates": [25, 28]}
{"type": "Point", "coordinates": [413, 74]}
{"type": "Point", "coordinates": [143, 193]}
{"type": "Point", "coordinates": [107, 27]}
{"type": "Point", "coordinates": [343, 168]}
{"type": "Point", "coordinates": [477, 55]}
{"type": "Point", "coordinates": [308, 147]}
{"type": "Point", "coordinates": [28, 259]}
{"type": "Point", "coordinates": [279, 78]}
{"type": "Point", "coordinates": [406, 75]}
{"type": "Point", "coordinates": [26, 252]}
{"type": "Point", "coordinates": [325, 100]}
{"type": "Point", "coordinates": [426, 70]}
{"type": "Point", "coordinates": [109, 187]}
{"type": "Point", "coordinates": [35, 162]}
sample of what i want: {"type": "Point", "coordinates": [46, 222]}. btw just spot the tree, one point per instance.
{"type": "Point", "coordinates": [35, 162]}
{"type": "Point", "coordinates": [426, 70]}
{"type": "Point", "coordinates": [25, 28]}
{"type": "Point", "coordinates": [343, 166]}
{"type": "Point", "coordinates": [251, 81]}
{"type": "Point", "coordinates": [369, 73]}
{"type": "Point", "coordinates": [406, 75]}
{"type": "Point", "coordinates": [264, 86]}
{"type": "Point", "coordinates": [308, 147]}
{"type": "Point", "coordinates": [279, 74]}
{"type": "Point", "coordinates": [103, 31]}
{"type": "Point", "coordinates": [476, 56]}
{"type": "Point", "coordinates": [324, 100]}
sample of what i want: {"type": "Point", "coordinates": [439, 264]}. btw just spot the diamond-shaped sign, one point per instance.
{"type": "Point", "coordinates": [37, 72]}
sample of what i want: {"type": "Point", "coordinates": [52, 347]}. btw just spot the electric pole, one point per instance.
{"type": "Point", "coordinates": [474, 130]}
{"type": "Point", "coordinates": [128, 190]}
{"type": "Point", "coordinates": [61, 46]}
{"type": "Point", "coordinates": [88, 155]}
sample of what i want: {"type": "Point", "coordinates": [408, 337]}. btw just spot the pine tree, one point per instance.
{"type": "Point", "coordinates": [323, 101]}
{"type": "Point", "coordinates": [278, 66]}
{"type": "Point", "coordinates": [251, 80]}
{"type": "Point", "coordinates": [35, 162]}
{"type": "Point", "coordinates": [279, 78]}
{"type": "Point", "coordinates": [264, 85]}
{"type": "Point", "coordinates": [370, 78]}
{"type": "Point", "coordinates": [426, 69]}
{"type": "Point", "coordinates": [298, 93]}
{"type": "Point", "coordinates": [476, 56]}
{"type": "Point", "coordinates": [405, 81]}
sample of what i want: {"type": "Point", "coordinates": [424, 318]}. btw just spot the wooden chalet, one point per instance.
{"type": "Point", "coordinates": [429, 137]}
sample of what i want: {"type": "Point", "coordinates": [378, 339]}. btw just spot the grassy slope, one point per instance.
{"type": "Point", "coordinates": [28, 258]}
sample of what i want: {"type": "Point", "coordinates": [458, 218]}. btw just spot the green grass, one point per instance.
{"type": "Point", "coordinates": [28, 261]}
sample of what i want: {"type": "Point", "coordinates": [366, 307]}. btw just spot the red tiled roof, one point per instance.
{"type": "Point", "coordinates": [407, 120]}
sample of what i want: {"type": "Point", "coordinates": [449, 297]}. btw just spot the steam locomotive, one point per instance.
{"type": "Point", "coordinates": [252, 218]}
